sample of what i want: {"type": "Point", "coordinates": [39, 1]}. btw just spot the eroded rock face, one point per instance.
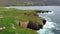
{"type": "Point", "coordinates": [32, 25]}
{"type": "Point", "coordinates": [44, 22]}
{"type": "Point", "coordinates": [36, 26]}
{"type": "Point", "coordinates": [42, 11]}
{"type": "Point", "coordinates": [23, 24]}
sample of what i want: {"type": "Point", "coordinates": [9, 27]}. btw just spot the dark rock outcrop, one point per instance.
{"type": "Point", "coordinates": [33, 26]}
{"type": "Point", "coordinates": [44, 22]}
{"type": "Point", "coordinates": [42, 11]}
{"type": "Point", "coordinates": [36, 26]}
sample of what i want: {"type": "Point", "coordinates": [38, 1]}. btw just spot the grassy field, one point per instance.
{"type": "Point", "coordinates": [9, 16]}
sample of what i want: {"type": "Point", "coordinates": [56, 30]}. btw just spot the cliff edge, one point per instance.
{"type": "Point", "coordinates": [14, 21]}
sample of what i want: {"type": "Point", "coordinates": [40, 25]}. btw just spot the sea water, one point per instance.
{"type": "Point", "coordinates": [47, 28]}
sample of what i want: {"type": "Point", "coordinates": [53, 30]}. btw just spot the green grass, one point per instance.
{"type": "Point", "coordinates": [10, 15]}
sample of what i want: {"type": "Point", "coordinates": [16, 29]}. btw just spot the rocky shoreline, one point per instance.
{"type": "Point", "coordinates": [36, 26]}
{"type": "Point", "coordinates": [19, 21]}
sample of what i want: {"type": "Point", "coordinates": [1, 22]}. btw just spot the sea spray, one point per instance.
{"type": "Point", "coordinates": [47, 28]}
{"type": "Point", "coordinates": [57, 27]}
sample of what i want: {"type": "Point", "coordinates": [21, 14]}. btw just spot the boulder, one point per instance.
{"type": "Point", "coordinates": [44, 21]}
{"type": "Point", "coordinates": [35, 26]}
{"type": "Point", "coordinates": [23, 24]}
{"type": "Point", "coordinates": [32, 25]}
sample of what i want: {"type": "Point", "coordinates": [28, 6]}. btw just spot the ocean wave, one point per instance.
{"type": "Point", "coordinates": [49, 13]}
{"type": "Point", "coordinates": [47, 28]}
{"type": "Point", "coordinates": [57, 27]}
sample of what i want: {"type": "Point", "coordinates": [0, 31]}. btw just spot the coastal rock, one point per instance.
{"type": "Point", "coordinates": [36, 26]}
{"type": "Point", "coordinates": [44, 21]}
{"type": "Point", "coordinates": [23, 24]}
{"type": "Point", "coordinates": [32, 25]}
{"type": "Point", "coordinates": [42, 11]}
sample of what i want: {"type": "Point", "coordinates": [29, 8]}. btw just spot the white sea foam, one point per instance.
{"type": "Point", "coordinates": [57, 27]}
{"type": "Point", "coordinates": [48, 13]}
{"type": "Point", "coordinates": [47, 28]}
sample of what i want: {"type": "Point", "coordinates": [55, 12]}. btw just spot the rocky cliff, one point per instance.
{"type": "Point", "coordinates": [36, 26]}
{"type": "Point", "coordinates": [16, 21]}
{"type": "Point", "coordinates": [33, 25]}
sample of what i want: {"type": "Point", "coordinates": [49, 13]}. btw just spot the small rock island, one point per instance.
{"type": "Point", "coordinates": [14, 21]}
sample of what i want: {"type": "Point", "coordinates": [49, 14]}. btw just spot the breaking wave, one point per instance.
{"type": "Point", "coordinates": [47, 28]}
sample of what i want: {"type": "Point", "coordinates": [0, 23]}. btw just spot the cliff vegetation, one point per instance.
{"type": "Point", "coordinates": [14, 21]}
